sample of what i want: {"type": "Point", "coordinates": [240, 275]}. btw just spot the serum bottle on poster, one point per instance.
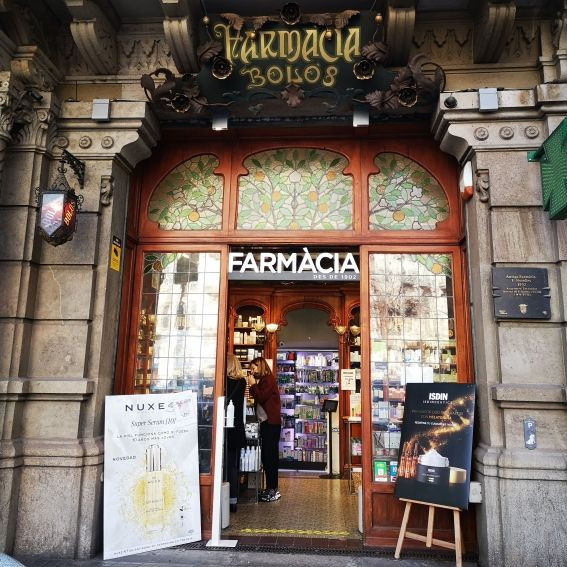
{"type": "Point", "coordinates": [154, 489]}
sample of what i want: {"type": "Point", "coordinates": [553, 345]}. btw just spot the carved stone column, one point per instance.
{"type": "Point", "coordinates": [54, 390]}
{"type": "Point", "coordinates": [519, 365]}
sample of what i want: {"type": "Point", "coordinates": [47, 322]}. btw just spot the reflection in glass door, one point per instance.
{"type": "Point", "coordinates": [177, 332]}
{"type": "Point", "coordinates": [412, 339]}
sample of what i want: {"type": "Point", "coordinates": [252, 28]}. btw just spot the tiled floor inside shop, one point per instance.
{"type": "Point", "coordinates": [312, 512]}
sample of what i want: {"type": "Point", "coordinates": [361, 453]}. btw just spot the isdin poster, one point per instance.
{"type": "Point", "coordinates": [151, 473]}
{"type": "Point", "coordinates": [434, 465]}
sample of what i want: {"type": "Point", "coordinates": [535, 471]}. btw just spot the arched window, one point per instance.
{"type": "Point", "coordinates": [190, 197]}
{"type": "Point", "coordinates": [295, 189]}
{"type": "Point", "coordinates": [404, 196]}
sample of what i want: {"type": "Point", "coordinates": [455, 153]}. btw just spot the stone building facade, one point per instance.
{"type": "Point", "coordinates": [59, 307]}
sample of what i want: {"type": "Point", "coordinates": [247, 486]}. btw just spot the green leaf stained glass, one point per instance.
{"type": "Point", "coordinates": [190, 197]}
{"type": "Point", "coordinates": [404, 196]}
{"type": "Point", "coordinates": [295, 189]}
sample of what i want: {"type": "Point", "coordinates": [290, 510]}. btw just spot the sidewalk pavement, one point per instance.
{"type": "Point", "coordinates": [179, 557]}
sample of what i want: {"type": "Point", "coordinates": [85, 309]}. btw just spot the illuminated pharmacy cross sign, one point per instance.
{"type": "Point", "coordinates": [304, 265]}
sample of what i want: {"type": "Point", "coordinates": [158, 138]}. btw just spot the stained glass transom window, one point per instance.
{"type": "Point", "coordinates": [404, 196]}
{"type": "Point", "coordinates": [190, 197]}
{"type": "Point", "coordinates": [177, 332]}
{"type": "Point", "coordinates": [412, 339]}
{"type": "Point", "coordinates": [295, 189]}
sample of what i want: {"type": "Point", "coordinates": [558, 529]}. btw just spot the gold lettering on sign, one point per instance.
{"type": "Point", "coordinates": [293, 48]}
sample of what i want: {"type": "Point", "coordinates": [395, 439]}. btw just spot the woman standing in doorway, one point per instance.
{"type": "Point", "coordinates": [235, 437]}
{"type": "Point", "coordinates": [264, 389]}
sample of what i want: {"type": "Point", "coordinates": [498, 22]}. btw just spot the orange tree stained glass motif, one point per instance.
{"type": "Point", "coordinates": [190, 197]}
{"type": "Point", "coordinates": [295, 189]}
{"type": "Point", "coordinates": [404, 196]}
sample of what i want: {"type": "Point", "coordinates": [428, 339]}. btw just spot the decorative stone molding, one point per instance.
{"type": "Point", "coordinates": [482, 185]}
{"type": "Point", "coordinates": [39, 129]}
{"type": "Point", "coordinates": [400, 23]}
{"type": "Point", "coordinates": [35, 69]}
{"type": "Point", "coordinates": [106, 189]}
{"type": "Point", "coordinates": [85, 142]}
{"type": "Point", "coordinates": [531, 132]}
{"type": "Point", "coordinates": [493, 27]}
{"type": "Point", "coordinates": [481, 133]}
{"type": "Point", "coordinates": [451, 45]}
{"type": "Point", "coordinates": [180, 28]}
{"type": "Point", "coordinates": [94, 32]}
{"type": "Point", "coordinates": [107, 142]}
{"type": "Point", "coordinates": [506, 132]}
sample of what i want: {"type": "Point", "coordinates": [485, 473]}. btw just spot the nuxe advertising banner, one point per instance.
{"type": "Point", "coordinates": [434, 465]}
{"type": "Point", "coordinates": [151, 473]}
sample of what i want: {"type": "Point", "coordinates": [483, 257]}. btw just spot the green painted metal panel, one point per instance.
{"type": "Point", "coordinates": [552, 157]}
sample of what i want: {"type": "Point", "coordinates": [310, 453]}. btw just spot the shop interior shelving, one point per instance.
{"type": "Point", "coordinates": [305, 379]}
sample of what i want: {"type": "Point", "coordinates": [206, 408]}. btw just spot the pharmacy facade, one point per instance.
{"type": "Point", "coordinates": [70, 322]}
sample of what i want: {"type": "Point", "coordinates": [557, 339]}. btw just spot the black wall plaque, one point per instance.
{"type": "Point", "coordinates": [520, 293]}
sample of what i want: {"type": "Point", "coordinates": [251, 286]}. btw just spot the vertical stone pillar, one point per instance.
{"type": "Point", "coordinates": [63, 358]}
{"type": "Point", "coordinates": [519, 365]}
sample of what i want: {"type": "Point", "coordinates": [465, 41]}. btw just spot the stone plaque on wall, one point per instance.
{"type": "Point", "coordinates": [520, 293]}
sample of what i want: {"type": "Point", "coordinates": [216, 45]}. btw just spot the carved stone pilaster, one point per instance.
{"type": "Point", "coordinates": [94, 32]}
{"type": "Point", "coordinates": [40, 129]}
{"type": "Point", "coordinates": [493, 27]}
{"type": "Point", "coordinates": [400, 24]}
{"type": "Point", "coordinates": [180, 28]}
{"type": "Point", "coordinates": [482, 185]}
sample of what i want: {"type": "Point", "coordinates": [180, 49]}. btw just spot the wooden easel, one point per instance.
{"type": "Point", "coordinates": [429, 540]}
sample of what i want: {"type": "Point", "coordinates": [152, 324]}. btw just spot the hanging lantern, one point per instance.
{"type": "Point", "coordinates": [58, 206]}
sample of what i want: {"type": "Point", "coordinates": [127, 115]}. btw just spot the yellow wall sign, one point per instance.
{"type": "Point", "coordinates": [115, 253]}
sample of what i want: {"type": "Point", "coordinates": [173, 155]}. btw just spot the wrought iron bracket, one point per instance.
{"type": "Point", "coordinates": [77, 166]}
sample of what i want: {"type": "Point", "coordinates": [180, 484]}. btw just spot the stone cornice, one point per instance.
{"type": "Point", "coordinates": [128, 137]}
{"type": "Point", "coordinates": [519, 123]}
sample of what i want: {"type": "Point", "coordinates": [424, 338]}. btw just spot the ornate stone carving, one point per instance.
{"type": "Point", "coordinates": [400, 23]}
{"type": "Point", "coordinates": [106, 189]}
{"type": "Point", "coordinates": [38, 127]}
{"type": "Point", "coordinates": [181, 36]}
{"type": "Point", "coordinates": [493, 27]}
{"type": "Point", "coordinates": [94, 32]}
{"type": "Point", "coordinates": [481, 133]}
{"type": "Point", "coordinates": [62, 142]}
{"type": "Point", "coordinates": [452, 45]}
{"type": "Point", "coordinates": [139, 55]}
{"type": "Point", "coordinates": [85, 142]}
{"type": "Point", "coordinates": [482, 184]}
{"type": "Point", "coordinates": [506, 132]}
{"type": "Point", "coordinates": [180, 29]}
{"type": "Point", "coordinates": [523, 42]}
{"type": "Point", "coordinates": [107, 142]}
{"type": "Point", "coordinates": [35, 69]}
{"type": "Point", "coordinates": [531, 132]}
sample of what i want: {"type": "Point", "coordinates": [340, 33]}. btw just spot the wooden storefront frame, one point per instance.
{"type": "Point", "coordinates": [231, 148]}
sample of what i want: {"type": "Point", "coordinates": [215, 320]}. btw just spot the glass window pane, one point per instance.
{"type": "Point", "coordinates": [412, 338]}
{"type": "Point", "coordinates": [177, 332]}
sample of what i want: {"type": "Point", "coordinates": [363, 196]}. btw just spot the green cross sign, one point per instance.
{"type": "Point", "coordinates": [552, 157]}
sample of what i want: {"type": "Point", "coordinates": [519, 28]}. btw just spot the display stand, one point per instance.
{"type": "Point", "coordinates": [215, 540]}
{"type": "Point", "coordinates": [330, 406]}
{"type": "Point", "coordinates": [349, 421]}
{"type": "Point", "coordinates": [429, 539]}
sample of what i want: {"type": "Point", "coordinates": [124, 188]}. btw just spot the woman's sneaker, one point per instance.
{"type": "Point", "coordinates": [271, 496]}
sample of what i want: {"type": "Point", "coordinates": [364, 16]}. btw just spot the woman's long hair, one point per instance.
{"type": "Point", "coordinates": [233, 367]}
{"type": "Point", "coordinates": [263, 367]}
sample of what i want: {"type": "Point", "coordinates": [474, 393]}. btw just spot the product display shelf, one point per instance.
{"type": "Point", "coordinates": [315, 378]}
{"type": "Point", "coordinates": [248, 334]}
